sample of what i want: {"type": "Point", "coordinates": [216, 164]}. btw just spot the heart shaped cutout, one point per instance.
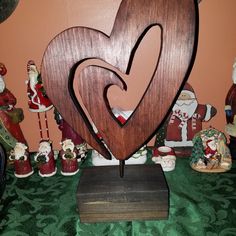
{"type": "Point", "coordinates": [74, 46]}
{"type": "Point", "coordinates": [141, 71]}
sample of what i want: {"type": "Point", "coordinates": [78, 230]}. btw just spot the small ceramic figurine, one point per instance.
{"type": "Point", "coordinates": [139, 157]}
{"type": "Point", "coordinates": [186, 119]}
{"type": "Point", "coordinates": [210, 152]}
{"type": "Point", "coordinates": [68, 133]}
{"type": "Point", "coordinates": [165, 156]}
{"type": "Point", "coordinates": [230, 110]}
{"type": "Point", "coordinates": [45, 159]}
{"type": "Point", "coordinates": [69, 163]}
{"type": "Point", "coordinates": [10, 117]}
{"type": "Point", "coordinates": [38, 99]}
{"type": "Point", "coordinates": [20, 156]}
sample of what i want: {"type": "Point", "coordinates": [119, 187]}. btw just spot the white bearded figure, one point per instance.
{"type": "Point", "coordinates": [186, 119]}
{"type": "Point", "coordinates": [211, 148]}
{"type": "Point", "coordinates": [38, 99]}
{"type": "Point", "coordinates": [19, 152]}
{"type": "Point", "coordinates": [69, 163]}
{"type": "Point", "coordinates": [45, 159]}
{"type": "Point", "coordinates": [68, 148]}
{"type": "Point", "coordinates": [22, 165]}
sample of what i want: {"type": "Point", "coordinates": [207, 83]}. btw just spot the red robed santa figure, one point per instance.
{"type": "Point", "coordinates": [211, 148]}
{"type": "Point", "coordinates": [10, 117]}
{"type": "Point", "coordinates": [186, 118]}
{"type": "Point", "coordinates": [38, 99]}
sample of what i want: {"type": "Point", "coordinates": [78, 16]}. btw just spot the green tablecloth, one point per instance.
{"type": "Point", "coordinates": [200, 204]}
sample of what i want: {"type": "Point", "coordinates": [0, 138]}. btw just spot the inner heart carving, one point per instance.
{"type": "Point", "coordinates": [75, 46]}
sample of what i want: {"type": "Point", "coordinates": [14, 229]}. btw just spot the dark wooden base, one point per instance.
{"type": "Point", "coordinates": [142, 194]}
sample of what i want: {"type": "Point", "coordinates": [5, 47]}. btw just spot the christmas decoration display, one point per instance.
{"type": "Point", "coordinates": [139, 157]}
{"type": "Point", "coordinates": [186, 119]}
{"type": "Point", "coordinates": [230, 110]}
{"type": "Point", "coordinates": [69, 163]}
{"type": "Point", "coordinates": [210, 152]}
{"type": "Point", "coordinates": [45, 159]}
{"type": "Point", "coordinates": [165, 156]}
{"type": "Point", "coordinates": [20, 156]}
{"type": "Point", "coordinates": [69, 134]}
{"type": "Point", "coordinates": [79, 46]}
{"type": "Point", "coordinates": [38, 99]}
{"type": "Point", "coordinates": [10, 116]}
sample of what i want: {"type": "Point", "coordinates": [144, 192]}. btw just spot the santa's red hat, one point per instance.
{"type": "Point", "coordinates": [189, 90]}
{"type": "Point", "coordinates": [209, 141]}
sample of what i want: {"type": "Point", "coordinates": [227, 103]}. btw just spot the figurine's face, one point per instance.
{"type": "Point", "coordinates": [167, 162]}
{"type": "Point", "coordinates": [19, 150]}
{"type": "Point", "coordinates": [212, 145]}
{"type": "Point", "coordinates": [184, 96]}
{"type": "Point", "coordinates": [33, 72]}
{"type": "Point", "coordinates": [68, 144]}
{"type": "Point", "coordinates": [186, 99]}
{"type": "Point", "coordinates": [45, 148]}
{"type": "Point", "coordinates": [2, 84]}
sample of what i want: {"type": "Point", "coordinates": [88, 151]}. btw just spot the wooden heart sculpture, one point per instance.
{"type": "Point", "coordinates": [75, 46]}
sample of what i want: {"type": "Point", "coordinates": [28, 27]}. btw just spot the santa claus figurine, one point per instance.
{"type": "Point", "coordinates": [68, 133]}
{"type": "Point", "coordinates": [186, 119]}
{"type": "Point", "coordinates": [211, 149]}
{"type": "Point", "coordinates": [10, 117]}
{"type": "Point", "coordinates": [38, 99]}
{"type": "Point", "coordinates": [45, 159]}
{"type": "Point", "coordinates": [69, 163]}
{"type": "Point", "coordinates": [20, 156]}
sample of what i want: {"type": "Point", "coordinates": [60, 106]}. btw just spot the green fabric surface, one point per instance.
{"type": "Point", "coordinates": [200, 204]}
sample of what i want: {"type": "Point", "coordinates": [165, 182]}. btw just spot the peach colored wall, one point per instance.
{"type": "Point", "coordinates": [26, 33]}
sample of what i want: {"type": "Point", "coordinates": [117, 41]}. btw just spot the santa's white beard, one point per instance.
{"type": "Point", "coordinates": [2, 88]}
{"type": "Point", "coordinates": [70, 148]}
{"type": "Point", "coordinates": [186, 106]}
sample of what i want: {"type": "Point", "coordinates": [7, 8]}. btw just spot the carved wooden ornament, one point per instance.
{"type": "Point", "coordinates": [70, 49]}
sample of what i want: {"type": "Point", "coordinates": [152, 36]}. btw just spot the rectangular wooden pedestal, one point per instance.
{"type": "Point", "coordinates": [142, 194]}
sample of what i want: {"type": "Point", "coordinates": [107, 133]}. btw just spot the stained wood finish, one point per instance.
{"type": "Point", "coordinates": [141, 195]}
{"type": "Point", "coordinates": [69, 50]}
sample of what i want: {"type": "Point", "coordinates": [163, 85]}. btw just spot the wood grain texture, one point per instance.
{"type": "Point", "coordinates": [69, 50]}
{"type": "Point", "coordinates": [142, 194]}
